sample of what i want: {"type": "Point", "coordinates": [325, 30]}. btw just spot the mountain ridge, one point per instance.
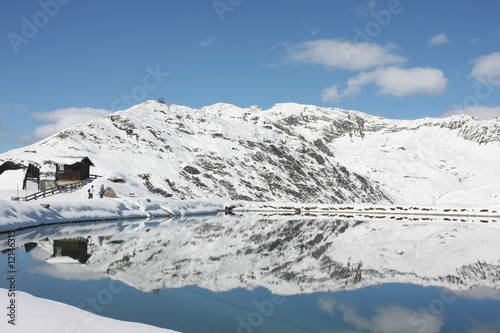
{"type": "Point", "coordinates": [290, 152]}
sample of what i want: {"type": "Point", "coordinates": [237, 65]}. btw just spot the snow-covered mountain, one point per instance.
{"type": "Point", "coordinates": [290, 152]}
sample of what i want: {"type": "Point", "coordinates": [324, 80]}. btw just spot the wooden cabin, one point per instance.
{"type": "Point", "coordinates": [32, 174]}
{"type": "Point", "coordinates": [72, 169]}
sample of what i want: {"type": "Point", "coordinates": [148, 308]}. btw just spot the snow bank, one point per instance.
{"type": "Point", "coordinates": [469, 213]}
{"type": "Point", "coordinates": [17, 215]}
{"type": "Point", "coordinates": [33, 314]}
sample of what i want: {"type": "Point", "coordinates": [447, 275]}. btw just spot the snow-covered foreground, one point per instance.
{"type": "Point", "coordinates": [33, 314]}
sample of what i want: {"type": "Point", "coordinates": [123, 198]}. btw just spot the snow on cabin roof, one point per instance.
{"type": "Point", "coordinates": [68, 160]}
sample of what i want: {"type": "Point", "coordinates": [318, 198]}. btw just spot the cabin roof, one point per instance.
{"type": "Point", "coordinates": [9, 165]}
{"type": "Point", "coordinates": [70, 160]}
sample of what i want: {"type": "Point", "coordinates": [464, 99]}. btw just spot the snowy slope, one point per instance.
{"type": "Point", "coordinates": [424, 161]}
{"type": "Point", "coordinates": [290, 152]}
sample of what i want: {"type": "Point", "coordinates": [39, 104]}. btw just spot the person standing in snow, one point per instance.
{"type": "Point", "coordinates": [102, 191]}
{"type": "Point", "coordinates": [91, 192]}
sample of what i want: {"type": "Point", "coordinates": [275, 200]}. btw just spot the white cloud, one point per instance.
{"type": "Point", "coordinates": [336, 53]}
{"type": "Point", "coordinates": [439, 39]}
{"type": "Point", "coordinates": [64, 118]}
{"type": "Point", "coordinates": [400, 82]}
{"type": "Point", "coordinates": [12, 107]}
{"type": "Point", "coordinates": [392, 81]}
{"type": "Point", "coordinates": [331, 94]}
{"type": "Point", "coordinates": [478, 111]}
{"type": "Point", "coordinates": [315, 31]}
{"type": "Point", "coordinates": [208, 41]}
{"type": "Point", "coordinates": [487, 69]}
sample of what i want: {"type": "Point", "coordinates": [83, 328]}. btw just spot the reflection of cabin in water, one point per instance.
{"type": "Point", "coordinates": [30, 246]}
{"type": "Point", "coordinates": [75, 248]}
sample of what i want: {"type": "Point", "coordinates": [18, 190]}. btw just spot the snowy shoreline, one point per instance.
{"type": "Point", "coordinates": [366, 210]}
{"type": "Point", "coordinates": [21, 215]}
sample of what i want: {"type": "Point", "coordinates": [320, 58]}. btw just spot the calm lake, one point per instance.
{"type": "Point", "coordinates": [256, 273]}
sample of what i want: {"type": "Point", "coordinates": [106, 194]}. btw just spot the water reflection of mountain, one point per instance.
{"type": "Point", "coordinates": [291, 255]}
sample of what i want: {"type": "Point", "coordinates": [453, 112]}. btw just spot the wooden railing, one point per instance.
{"type": "Point", "coordinates": [51, 191]}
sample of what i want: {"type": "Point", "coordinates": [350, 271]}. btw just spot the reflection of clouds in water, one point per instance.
{"type": "Point", "coordinates": [390, 319]}
{"type": "Point", "coordinates": [326, 304]}
{"type": "Point", "coordinates": [61, 270]}
{"type": "Point", "coordinates": [39, 253]}
{"type": "Point", "coordinates": [67, 271]}
{"type": "Point", "coordinates": [485, 327]}
{"type": "Point", "coordinates": [480, 293]}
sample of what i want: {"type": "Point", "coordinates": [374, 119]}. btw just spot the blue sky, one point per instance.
{"type": "Point", "coordinates": [67, 61]}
